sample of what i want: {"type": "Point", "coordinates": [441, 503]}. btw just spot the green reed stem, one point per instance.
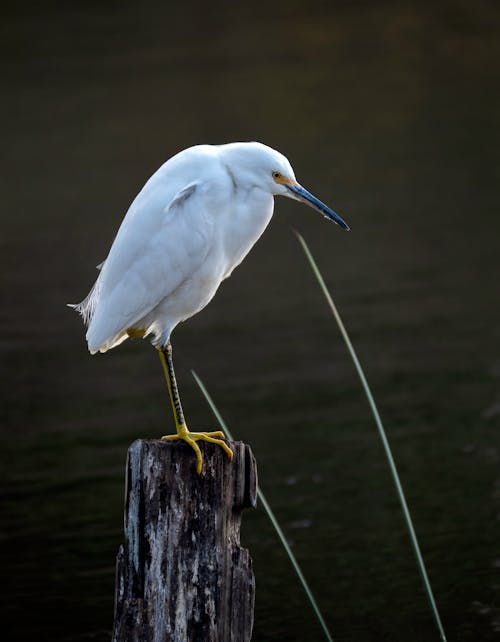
{"type": "Point", "coordinates": [272, 518]}
{"type": "Point", "coordinates": [383, 437]}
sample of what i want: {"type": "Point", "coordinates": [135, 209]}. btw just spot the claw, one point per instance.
{"type": "Point", "coordinates": [191, 438]}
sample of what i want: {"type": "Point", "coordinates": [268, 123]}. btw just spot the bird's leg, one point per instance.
{"type": "Point", "coordinates": [180, 424]}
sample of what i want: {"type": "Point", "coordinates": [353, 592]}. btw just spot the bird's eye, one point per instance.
{"type": "Point", "coordinates": [276, 175]}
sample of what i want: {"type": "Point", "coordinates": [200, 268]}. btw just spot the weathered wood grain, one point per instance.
{"type": "Point", "coordinates": [181, 575]}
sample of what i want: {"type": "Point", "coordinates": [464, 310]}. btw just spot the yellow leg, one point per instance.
{"type": "Point", "coordinates": [180, 424]}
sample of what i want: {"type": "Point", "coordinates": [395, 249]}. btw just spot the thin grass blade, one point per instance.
{"type": "Point", "coordinates": [383, 437]}
{"type": "Point", "coordinates": [272, 518]}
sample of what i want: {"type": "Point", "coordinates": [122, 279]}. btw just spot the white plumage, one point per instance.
{"type": "Point", "coordinates": [191, 224]}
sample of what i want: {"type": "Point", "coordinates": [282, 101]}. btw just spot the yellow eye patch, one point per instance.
{"type": "Point", "coordinates": [282, 180]}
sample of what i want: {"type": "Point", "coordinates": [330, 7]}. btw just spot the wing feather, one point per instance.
{"type": "Point", "coordinates": [162, 241]}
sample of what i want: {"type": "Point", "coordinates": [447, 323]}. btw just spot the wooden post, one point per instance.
{"type": "Point", "coordinates": [181, 575]}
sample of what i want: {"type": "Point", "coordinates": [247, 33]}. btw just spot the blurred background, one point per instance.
{"type": "Point", "coordinates": [389, 112]}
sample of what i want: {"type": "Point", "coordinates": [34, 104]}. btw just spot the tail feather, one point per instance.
{"type": "Point", "coordinates": [109, 343]}
{"type": "Point", "coordinates": [87, 307]}
{"type": "Point", "coordinates": [104, 331]}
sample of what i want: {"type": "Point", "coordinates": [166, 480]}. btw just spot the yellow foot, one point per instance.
{"type": "Point", "coordinates": [191, 438]}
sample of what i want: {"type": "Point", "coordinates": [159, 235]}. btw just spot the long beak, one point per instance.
{"type": "Point", "coordinates": [301, 194]}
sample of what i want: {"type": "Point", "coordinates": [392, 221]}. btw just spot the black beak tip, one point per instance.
{"type": "Point", "coordinates": [340, 222]}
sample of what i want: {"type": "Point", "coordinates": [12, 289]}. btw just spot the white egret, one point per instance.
{"type": "Point", "coordinates": [192, 223]}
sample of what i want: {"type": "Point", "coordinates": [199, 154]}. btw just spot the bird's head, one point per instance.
{"type": "Point", "coordinates": [272, 172]}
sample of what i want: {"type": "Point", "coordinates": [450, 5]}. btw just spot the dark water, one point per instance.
{"type": "Point", "coordinates": [390, 113]}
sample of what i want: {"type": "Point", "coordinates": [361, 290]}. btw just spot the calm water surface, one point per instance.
{"type": "Point", "coordinates": [389, 112]}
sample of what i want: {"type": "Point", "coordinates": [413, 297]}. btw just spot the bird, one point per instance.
{"type": "Point", "coordinates": [190, 226]}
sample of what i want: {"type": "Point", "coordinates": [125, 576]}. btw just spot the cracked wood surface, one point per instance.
{"type": "Point", "coordinates": [181, 574]}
